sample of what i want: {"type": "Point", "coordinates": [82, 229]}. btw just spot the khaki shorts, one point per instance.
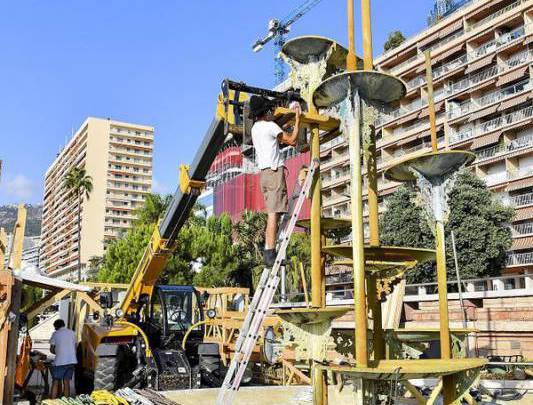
{"type": "Point", "coordinates": [274, 189]}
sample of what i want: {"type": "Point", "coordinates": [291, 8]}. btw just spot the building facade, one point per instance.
{"type": "Point", "coordinates": [482, 56]}
{"type": "Point", "coordinates": [118, 157]}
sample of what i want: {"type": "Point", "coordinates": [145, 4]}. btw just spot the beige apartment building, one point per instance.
{"type": "Point", "coordinates": [118, 157]}
{"type": "Point", "coordinates": [482, 63]}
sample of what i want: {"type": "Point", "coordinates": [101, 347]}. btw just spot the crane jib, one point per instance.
{"type": "Point", "coordinates": [182, 203]}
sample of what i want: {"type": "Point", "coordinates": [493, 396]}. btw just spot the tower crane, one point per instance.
{"type": "Point", "coordinates": [277, 30]}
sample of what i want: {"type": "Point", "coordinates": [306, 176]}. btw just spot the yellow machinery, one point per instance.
{"type": "Point", "coordinates": [126, 348]}
{"type": "Point", "coordinates": [141, 343]}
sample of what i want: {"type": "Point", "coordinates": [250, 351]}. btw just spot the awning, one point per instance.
{"type": "Point", "coordinates": [408, 139]}
{"type": "Point", "coordinates": [451, 28]}
{"type": "Point", "coordinates": [483, 112]}
{"type": "Point", "coordinates": [512, 76]}
{"type": "Point", "coordinates": [522, 243]}
{"type": "Point", "coordinates": [428, 40]}
{"type": "Point", "coordinates": [479, 10]}
{"type": "Point", "coordinates": [482, 85]}
{"type": "Point", "coordinates": [522, 214]}
{"type": "Point", "coordinates": [425, 112]}
{"type": "Point", "coordinates": [407, 118]}
{"type": "Point", "coordinates": [404, 52]}
{"type": "Point", "coordinates": [519, 184]}
{"type": "Point", "coordinates": [485, 61]}
{"type": "Point", "coordinates": [514, 101]}
{"type": "Point", "coordinates": [31, 276]}
{"type": "Point", "coordinates": [448, 53]}
{"type": "Point", "coordinates": [486, 140]}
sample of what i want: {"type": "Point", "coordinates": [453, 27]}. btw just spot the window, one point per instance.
{"type": "Point", "coordinates": [157, 310]}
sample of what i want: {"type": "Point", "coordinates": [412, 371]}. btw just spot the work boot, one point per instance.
{"type": "Point", "coordinates": [269, 257]}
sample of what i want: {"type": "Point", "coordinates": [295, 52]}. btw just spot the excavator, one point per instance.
{"type": "Point", "coordinates": [154, 338]}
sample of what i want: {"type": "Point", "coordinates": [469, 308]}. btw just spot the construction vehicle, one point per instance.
{"type": "Point", "coordinates": [140, 344]}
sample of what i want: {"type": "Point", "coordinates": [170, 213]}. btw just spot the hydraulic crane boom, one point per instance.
{"type": "Point", "coordinates": [163, 240]}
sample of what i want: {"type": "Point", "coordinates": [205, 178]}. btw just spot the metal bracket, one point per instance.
{"type": "Point", "coordinates": [188, 185]}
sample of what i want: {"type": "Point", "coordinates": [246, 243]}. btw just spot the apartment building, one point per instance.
{"type": "Point", "coordinates": [118, 157]}
{"type": "Point", "coordinates": [482, 56]}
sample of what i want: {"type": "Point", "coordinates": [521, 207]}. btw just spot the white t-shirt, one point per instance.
{"type": "Point", "coordinates": [265, 140]}
{"type": "Point", "coordinates": [64, 341]}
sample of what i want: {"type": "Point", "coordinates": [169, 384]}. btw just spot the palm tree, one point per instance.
{"type": "Point", "coordinates": [78, 184]}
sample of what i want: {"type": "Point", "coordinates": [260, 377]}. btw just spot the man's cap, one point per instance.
{"type": "Point", "coordinates": [259, 105]}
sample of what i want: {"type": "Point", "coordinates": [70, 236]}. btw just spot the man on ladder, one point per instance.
{"type": "Point", "coordinates": [266, 136]}
{"type": "Point", "coordinates": [269, 280]}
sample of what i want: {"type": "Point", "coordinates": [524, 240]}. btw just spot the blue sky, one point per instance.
{"type": "Point", "coordinates": [155, 62]}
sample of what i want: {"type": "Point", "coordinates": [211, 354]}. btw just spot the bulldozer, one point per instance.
{"type": "Point", "coordinates": [154, 338]}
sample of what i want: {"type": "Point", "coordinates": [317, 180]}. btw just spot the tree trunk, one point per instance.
{"type": "Point", "coordinates": [79, 237]}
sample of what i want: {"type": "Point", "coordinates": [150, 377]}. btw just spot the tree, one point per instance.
{"type": "Point", "coordinates": [249, 235]}
{"type": "Point", "coordinates": [153, 209]}
{"type": "Point", "coordinates": [394, 40]}
{"type": "Point", "coordinates": [478, 220]}
{"type": "Point", "coordinates": [298, 251]}
{"type": "Point", "coordinates": [123, 255]}
{"type": "Point", "coordinates": [213, 246]}
{"type": "Point", "coordinates": [403, 224]}
{"type": "Point", "coordinates": [481, 226]}
{"type": "Point", "coordinates": [78, 184]}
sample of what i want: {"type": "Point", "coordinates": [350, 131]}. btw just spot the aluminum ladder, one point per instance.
{"type": "Point", "coordinates": [264, 294]}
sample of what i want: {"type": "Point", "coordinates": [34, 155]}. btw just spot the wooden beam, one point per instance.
{"type": "Point", "coordinates": [3, 247]}
{"type": "Point", "coordinates": [15, 256]}
{"type": "Point", "coordinates": [414, 391]}
{"type": "Point", "coordinates": [435, 393]}
{"type": "Point", "coordinates": [45, 302]}
{"type": "Point", "coordinates": [90, 301]}
{"type": "Point", "coordinates": [12, 341]}
{"type": "Point", "coordinates": [6, 288]}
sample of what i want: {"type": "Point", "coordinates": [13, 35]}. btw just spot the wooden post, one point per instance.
{"type": "Point", "coordinates": [12, 341]}
{"type": "Point", "coordinates": [6, 294]}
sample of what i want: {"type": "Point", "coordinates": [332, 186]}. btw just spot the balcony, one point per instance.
{"type": "Point", "coordinates": [493, 16]}
{"type": "Point", "coordinates": [337, 178]}
{"type": "Point", "coordinates": [493, 125]}
{"type": "Point", "coordinates": [450, 66]}
{"type": "Point", "coordinates": [488, 99]}
{"type": "Point", "coordinates": [521, 200]}
{"type": "Point", "coordinates": [497, 150]}
{"type": "Point", "coordinates": [522, 229]}
{"type": "Point", "coordinates": [516, 259]}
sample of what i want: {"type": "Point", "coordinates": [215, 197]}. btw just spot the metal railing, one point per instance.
{"type": "Point", "coordinates": [524, 228]}
{"type": "Point", "coordinates": [447, 39]}
{"type": "Point", "coordinates": [521, 200]}
{"type": "Point", "coordinates": [515, 259]}
{"type": "Point", "coordinates": [514, 145]}
{"type": "Point", "coordinates": [490, 98]}
{"type": "Point", "coordinates": [493, 124]}
{"type": "Point", "coordinates": [494, 15]}
{"type": "Point", "coordinates": [448, 67]}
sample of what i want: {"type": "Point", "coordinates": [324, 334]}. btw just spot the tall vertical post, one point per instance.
{"type": "Point", "coordinates": [372, 188]}
{"type": "Point", "coordinates": [431, 102]}
{"type": "Point", "coordinates": [367, 35]}
{"type": "Point", "coordinates": [317, 277]}
{"type": "Point", "coordinates": [358, 249]}
{"type": "Point", "coordinates": [351, 60]}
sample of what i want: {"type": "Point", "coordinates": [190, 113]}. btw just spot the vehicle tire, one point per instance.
{"type": "Point", "coordinates": [113, 372]}
{"type": "Point", "coordinates": [196, 378]}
